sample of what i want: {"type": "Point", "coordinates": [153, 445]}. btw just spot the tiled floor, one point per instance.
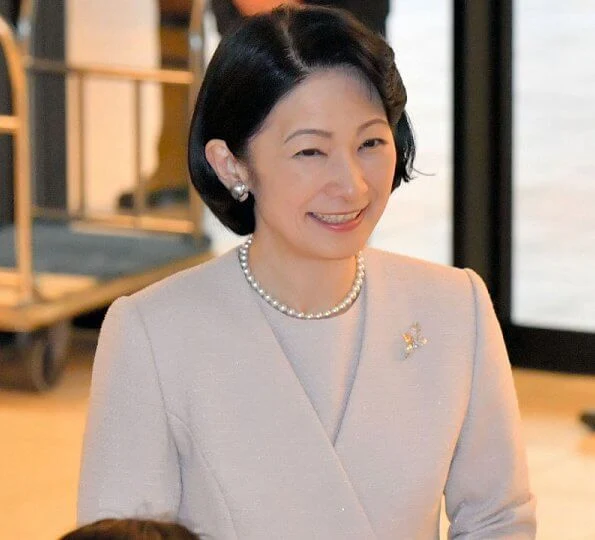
{"type": "Point", "coordinates": [561, 452]}
{"type": "Point", "coordinates": [41, 439]}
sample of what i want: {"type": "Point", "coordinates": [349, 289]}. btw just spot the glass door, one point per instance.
{"type": "Point", "coordinates": [554, 165]}
{"type": "Point", "coordinates": [524, 163]}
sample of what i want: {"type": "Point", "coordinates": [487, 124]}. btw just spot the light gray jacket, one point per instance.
{"type": "Point", "coordinates": [196, 415]}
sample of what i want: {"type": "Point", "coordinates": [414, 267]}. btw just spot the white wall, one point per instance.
{"type": "Point", "coordinates": [116, 33]}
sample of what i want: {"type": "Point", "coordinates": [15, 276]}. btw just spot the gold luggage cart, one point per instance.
{"type": "Point", "coordinates": [55, 266]}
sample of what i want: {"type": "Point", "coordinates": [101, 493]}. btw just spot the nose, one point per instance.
{"type": "Point", "coordinates": [349, 180]}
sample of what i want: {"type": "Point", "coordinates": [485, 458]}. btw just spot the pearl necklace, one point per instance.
{"type": "Point", "coordinates": [279, 306]}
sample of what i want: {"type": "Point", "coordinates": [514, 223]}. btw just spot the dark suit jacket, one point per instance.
{"type": "Point", "coordinates": [370, 13]}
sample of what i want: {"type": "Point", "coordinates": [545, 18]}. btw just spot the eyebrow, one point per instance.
{"type": "Point", "coordinates": [328, 134]}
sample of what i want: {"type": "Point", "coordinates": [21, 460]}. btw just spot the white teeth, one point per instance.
{"type": "Point", "coordinates": [336, 218]}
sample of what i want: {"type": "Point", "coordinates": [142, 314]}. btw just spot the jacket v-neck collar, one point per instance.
{"type": "Point", "coordinates": [355, 328]}
{"type": "Point", "coordinates": [368, 435]}
{"type": "Point", "coordinates": [299, 459]}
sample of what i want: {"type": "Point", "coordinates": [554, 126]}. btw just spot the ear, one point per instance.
{"type": "Point", "coordinates": [228, 168]}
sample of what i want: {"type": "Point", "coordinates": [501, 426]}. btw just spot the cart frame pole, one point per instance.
{"type": "Point", "coordinates": [17, 125]}
{"type": "Point", "coordinates": [196, 64]}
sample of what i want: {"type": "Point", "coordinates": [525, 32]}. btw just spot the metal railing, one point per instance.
{"type": "Point", "coordinates": [20, 63]}
{"type": "Point", "coordinates": [139, 219]}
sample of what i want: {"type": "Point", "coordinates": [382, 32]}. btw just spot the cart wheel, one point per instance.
{"type": "Point", "coordinates": [34, 360]}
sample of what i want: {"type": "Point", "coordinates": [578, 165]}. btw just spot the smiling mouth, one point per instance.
{"type": "Point", "coordinates": [336, 219]}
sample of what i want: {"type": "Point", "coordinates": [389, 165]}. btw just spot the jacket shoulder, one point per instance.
{"type": "Point", "coordinates": [449, 294]}
{"type": "Point", "coordinates": [417, 273]}
{"type": "Point", "coordinates": [199, 284]}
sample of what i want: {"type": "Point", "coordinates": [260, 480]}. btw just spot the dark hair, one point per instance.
{"type": "Point", "coordinates": [260, 62]}
{"type": "Point", "coordinates": [131, 529]}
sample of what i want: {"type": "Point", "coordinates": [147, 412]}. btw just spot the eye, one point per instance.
{"type": "Point", "coordinates": [373, 143]}
{"type": "Point", "coordinates": [309, 152]}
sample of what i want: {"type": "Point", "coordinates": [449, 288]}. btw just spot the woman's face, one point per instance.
{"type": "Point", "coordinates": [322, 166]}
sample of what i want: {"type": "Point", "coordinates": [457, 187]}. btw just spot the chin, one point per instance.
{"type": "Point", "coordinates": [343, 249]}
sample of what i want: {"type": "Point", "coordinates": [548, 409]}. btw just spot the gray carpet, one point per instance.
{"type": "Point", "coordinates": [59, 249]}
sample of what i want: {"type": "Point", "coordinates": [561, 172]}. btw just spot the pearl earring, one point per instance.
{"type": "Point", "coordinates": [239, 191]}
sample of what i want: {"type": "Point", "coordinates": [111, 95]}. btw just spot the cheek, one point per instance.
{"type": "Point", "coordinates": [380, 172]}
{"type": "Point", "coordinates": [281, 193]}
{"type": "Point", "coordinates": [292, 181]}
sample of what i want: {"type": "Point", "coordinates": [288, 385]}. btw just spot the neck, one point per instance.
{"type": "Point", "coordinates": [301, 282]}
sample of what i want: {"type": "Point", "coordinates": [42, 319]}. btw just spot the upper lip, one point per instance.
{"type": "Point", "coordinates": [342, 213]}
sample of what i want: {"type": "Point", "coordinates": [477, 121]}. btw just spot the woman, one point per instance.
{"type": "Point", "coordinates": [297, 388]}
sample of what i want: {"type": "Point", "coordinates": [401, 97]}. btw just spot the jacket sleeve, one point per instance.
{"type": "Point", "coordinates": [487, 491]}
{"type": "Point", "coordinates": [130, 463]}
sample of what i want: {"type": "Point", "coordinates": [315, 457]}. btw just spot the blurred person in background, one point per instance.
{"type": "Point", "coordinates": [372, 13]}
